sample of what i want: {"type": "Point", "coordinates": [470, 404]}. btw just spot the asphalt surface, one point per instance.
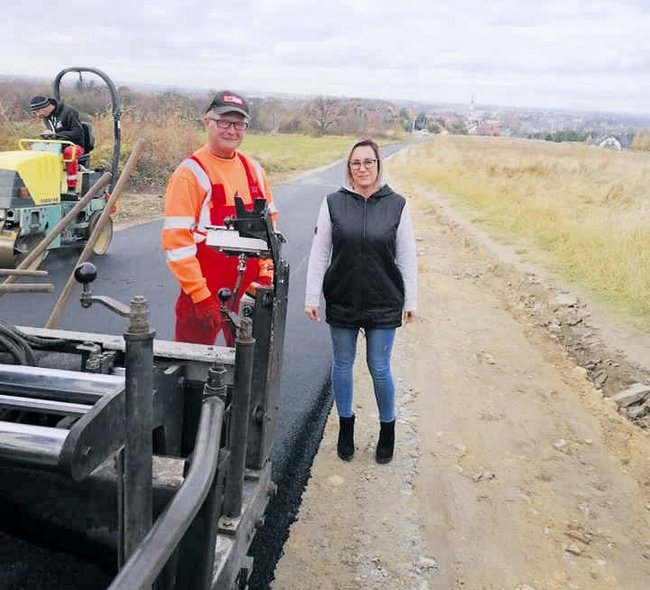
{"type": "Point", "coordinates": [135, 265]}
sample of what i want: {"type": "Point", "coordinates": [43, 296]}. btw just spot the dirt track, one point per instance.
{"type": "Point", "coordinates": [512, 470]}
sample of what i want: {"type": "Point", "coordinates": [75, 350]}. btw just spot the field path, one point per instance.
{"type": "Point", "coordinates": [512, 471]}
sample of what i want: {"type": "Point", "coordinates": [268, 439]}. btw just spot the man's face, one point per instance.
{"type": "Point", "coordinates": [44, 112]}
{"type": "Point", "coordinates": [225, 132]}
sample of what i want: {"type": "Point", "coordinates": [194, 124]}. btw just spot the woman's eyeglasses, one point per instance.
{"type": "Point", "coordinates": [367, 163]}
{"type": "Point", "coordinates": [225, 124]}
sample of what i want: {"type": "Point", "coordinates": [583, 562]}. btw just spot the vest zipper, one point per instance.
{"type": "Point", "coordinates": [365, 218]}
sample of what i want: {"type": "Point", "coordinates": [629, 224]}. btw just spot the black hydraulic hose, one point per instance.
{"type": "Point", "coordinates": [9, 345]}
{"type": "Point", "coordinates": [26, 350]}
{"type": "Point", "coordinates": [19, 344]}
{"type": "Point", "coordinates": [39, 341]}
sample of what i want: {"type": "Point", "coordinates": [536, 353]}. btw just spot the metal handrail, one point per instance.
{"type": "Point", "coordinates": [148, 560]}
{"type": "Point", "coordinates": [117, 113]}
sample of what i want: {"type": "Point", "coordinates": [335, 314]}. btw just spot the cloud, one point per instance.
{"type": "Point", "coordinates": [551, 51]}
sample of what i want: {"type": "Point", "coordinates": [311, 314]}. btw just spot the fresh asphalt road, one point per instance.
{"type": "Point", "coordinates": [135, 265]}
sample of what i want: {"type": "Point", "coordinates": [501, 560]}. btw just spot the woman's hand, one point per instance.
{"type": "Point", "coordinates": [312, 313]}
{"type": "Point", "coordinates": [409, 317]}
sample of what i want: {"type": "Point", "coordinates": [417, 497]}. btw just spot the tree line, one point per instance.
{"type": "Point", "coordinates": [316, 116]}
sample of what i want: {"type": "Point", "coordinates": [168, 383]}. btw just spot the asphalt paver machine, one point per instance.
{"type": "Point", "coordinates": [154, 454]}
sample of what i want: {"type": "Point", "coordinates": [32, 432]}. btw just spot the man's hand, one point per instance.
{"type": "Point", "coordinates": [207, 310]}
{"type": "Point", "coordinates": [409, 317]}
{"type": "Point", "coordinates": [312, 313]}
{"type": "Point", "coordinates": [46, 134]}
{"type": "Point", "coordinates": [265, 272]}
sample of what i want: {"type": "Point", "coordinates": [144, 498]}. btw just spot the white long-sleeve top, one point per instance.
{"type": "Point", "coordinates": [321, 251]}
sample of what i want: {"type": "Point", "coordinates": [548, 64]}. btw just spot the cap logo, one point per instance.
{"type": "Point", "coordinates": [232, 98]}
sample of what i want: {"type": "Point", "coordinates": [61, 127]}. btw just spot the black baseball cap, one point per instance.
{"type": "Point", "coordinates": [227, 101]}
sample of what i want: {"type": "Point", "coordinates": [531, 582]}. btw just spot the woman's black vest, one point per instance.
{"type": "Point", "coordinates": [363, 286]}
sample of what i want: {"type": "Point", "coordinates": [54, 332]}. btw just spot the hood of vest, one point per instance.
{"type": "Point", "coordinates": [382, 191]}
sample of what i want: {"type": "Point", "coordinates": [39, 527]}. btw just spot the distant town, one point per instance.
{"type": "Point", "coordinates": [610, 130]}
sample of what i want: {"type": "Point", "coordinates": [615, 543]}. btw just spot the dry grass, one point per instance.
{"type": "Point", "coordinates": [171, 137]}
{"type": "Point", "coordinates": [168, 142]}
{"type": "Point", "coordinates": [581, 210]}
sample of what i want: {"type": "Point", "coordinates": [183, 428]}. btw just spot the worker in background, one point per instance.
{"type": "Point", "coordinates": [200, 193]}
{"type": "Point", "coordinates": [62, 123]}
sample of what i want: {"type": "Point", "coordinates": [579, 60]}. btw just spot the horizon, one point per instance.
{"type": "Point", "coordinates": [257, 93]}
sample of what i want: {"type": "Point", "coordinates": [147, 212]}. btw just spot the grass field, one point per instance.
{"type": "Point", "coordinates": [582, 211]}
{"type": "Point", "coordinates": [283, 155]}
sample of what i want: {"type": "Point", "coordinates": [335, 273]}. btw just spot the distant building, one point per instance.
{"type": "Point", "coordinates": [478, 124]}
{"type": "Point", "coordinates": [610, 142]}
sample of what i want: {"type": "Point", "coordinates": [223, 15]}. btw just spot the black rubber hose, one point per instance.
{"type": "Point", "coordinates": [10, 346]}
{"type": "Point", "coordinates": [21, 339]}
{"type": "Point", "coordinates": [37, 340]}
{"type": "Point", "coordinates": [9, 332]}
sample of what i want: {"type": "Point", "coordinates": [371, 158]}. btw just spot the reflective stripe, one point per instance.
{"type": "Point", "coordinates": [260, 175]}
{"type": "Point", "coordinates": [204, 215]}
{"type": "Point", "coordinates": [184, 223]}
{"type": "Point", "coordinates": [270, 205]}
{"type": "Point", "coordinates": [180, 253]}
{"type": "Point", "coordinates": [194, 167]}
{"type": "Point", "coordinates": [178, 223]}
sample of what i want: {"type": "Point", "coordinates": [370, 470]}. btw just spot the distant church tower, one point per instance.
{"type": "Point", "coordinates": [472, 118]}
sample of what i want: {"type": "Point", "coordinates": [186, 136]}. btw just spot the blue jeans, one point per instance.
{"type": "Point", "coordinates": [379, 345]}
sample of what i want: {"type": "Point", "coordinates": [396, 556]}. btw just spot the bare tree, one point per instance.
{"type": "Point", "coordinates": [269, 115]}
{"type": "Point", "coordinates": [322, 113]}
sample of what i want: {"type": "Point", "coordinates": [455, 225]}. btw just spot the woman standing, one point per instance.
{"type": "Point", "coordinates": [363, 259]}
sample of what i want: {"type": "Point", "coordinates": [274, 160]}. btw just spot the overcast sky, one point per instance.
{"type": "Point", "coordinates": [567, 54]}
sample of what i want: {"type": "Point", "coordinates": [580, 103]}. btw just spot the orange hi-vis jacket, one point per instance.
{"type": "Point", "coordinates": [199, 193]}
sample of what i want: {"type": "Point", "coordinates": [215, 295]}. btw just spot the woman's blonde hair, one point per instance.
{"type": "Point", "coordinates": [361, 143]}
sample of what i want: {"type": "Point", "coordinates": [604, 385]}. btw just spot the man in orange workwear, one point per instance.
{"type": "Point", "coordinates": [200, 193]}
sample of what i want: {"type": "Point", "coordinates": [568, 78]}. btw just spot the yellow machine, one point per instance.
{"type": "Point", "coordinates": [34, 196]}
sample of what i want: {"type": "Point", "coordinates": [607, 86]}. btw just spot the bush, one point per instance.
{"type": "Point", "coordinates": [168, 139]}
{"type": "Point", "coordinates": [641, 141]}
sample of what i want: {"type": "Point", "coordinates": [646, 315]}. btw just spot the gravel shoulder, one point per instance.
{"type": "Point", "coordinates": [136, 208]}
{"type": "Point", "coordinates": [514, 468]}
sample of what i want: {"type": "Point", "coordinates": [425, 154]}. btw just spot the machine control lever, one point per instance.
{"type": "Point", "coordinates": [225, 295]}
{"type": "Point", "coordinates": [85, 274]}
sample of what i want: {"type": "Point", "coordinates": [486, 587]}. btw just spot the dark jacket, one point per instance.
{"type": "Point", "coordinates": [64, 121]}
{"type": "Point", "coordinates": [363, 286]}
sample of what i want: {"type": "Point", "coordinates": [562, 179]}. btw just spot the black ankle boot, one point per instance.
{"type": "Point", "coordinates": [345, 446]}
{"type": "Point", "coordinates": [386, 444]}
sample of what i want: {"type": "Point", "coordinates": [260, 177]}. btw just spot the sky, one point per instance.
{"type": "Point", "coordinates": [589, 55]}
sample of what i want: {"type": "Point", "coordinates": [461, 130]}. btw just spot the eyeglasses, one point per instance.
{"type": "Point", "coordinates": [225, 124]}
{"type": "Point", "coordinates": [367, 163]}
